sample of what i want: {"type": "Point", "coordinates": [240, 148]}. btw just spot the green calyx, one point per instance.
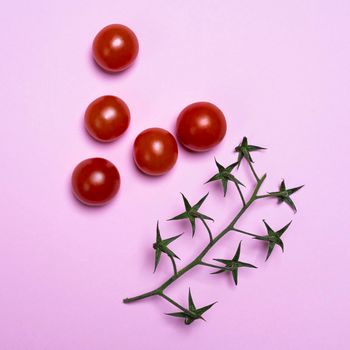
{"type": "Point", "coordinates": [284, 194]}
{"type": "Point", "coordinates": [233, 265]}
{"type": "Point", "coordinates": [191, 213]}
{"type": "Point", "coordinates": [192, 313]}
{"type": "Point", "coordinates": [273, 238]}
{"type": "Point", "coordinates": [244, 150]}
{"type": "Point", "coordinates": [161, 246]}
{"type": "Point", "coordinates": [224, 175]}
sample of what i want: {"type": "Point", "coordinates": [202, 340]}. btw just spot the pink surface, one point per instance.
{"type": "Point", "coordinates": [280, 72]}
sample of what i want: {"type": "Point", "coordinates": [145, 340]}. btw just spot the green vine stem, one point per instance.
{"type": "Point", "coordinates": [214, 266]}
{"type": "Point", "coordinates": [198, 260]}
{"type": "Point", "coordinates": [191, 213]}
{"type": "Point", "coordinates": [171, 301]}
{"type": "Point", "coordinates": [244, 232]}
{"type": "Point", "coordinates": [253, 170]}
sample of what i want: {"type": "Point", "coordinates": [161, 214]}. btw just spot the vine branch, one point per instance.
{"type": "Point", "coordinates": [198, 260]}
{"type": "Point", "coordinates": [244, 232]}
{"type": "Point", "coordinates": [191, 213]}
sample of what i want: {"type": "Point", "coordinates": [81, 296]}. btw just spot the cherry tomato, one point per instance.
{"type": "Point", "coordinates": [95, 181]}
{"type": "Point", "coordinates": [200, 126]}
{"type": "Point", "coordinates": [155, 151]}
{"type": "Point", "coordinates": [115, 48]}
{"type": "Point", "coordinates": [107, 118]}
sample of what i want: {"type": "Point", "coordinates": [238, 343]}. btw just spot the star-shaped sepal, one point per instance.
{"type": "Point", "coordinates": [284, 194]}
{"type": "Point", "coordinates": [224, 175]}
{"type": "Point", "coordinates": [161, 246]}
{"type": "Point", "coordinates": [191, 213]}
{"type": "Point", "coordinates": [233, 265]}
{"type": "Point", "coordinates": [192, 313]}
{"type": "Point", "coordinates": [273, 238]}
{"type": "Point", "coordinates": [244, 150]}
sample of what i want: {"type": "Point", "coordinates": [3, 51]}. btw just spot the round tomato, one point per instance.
{"type": "Point", "coordinates": [200, 126]}
{"type": "Point", "coordinates": [95, 181]}
{"type": "Point", "coordinates": [107, 118]}
{"type": "Point", "coordinates": [155, 151]}
{"type": "Point", "coordinates": [115, 48]}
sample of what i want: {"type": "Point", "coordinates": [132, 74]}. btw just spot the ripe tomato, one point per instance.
{"type": "Point", "coordinates": [115, 48]}
{"type": "Point", "coordinates": [95, 181]}
{"type": "Point", "coordinates": [200, 126]}
{"type": "Point", "coordinates": [155, 151]}
{"type": "Point", "coordinates": [107, 118]}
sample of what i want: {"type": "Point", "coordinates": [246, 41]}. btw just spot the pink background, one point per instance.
{"type": "Point", "coordinates": [280, 72]}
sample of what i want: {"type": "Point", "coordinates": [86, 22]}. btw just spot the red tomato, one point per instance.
{"type": "Point", "coordinates": [155, 151]}
{"type": "Point", "coordinates": [200, 126]}
{"type": "Point", "coordinates": [107, 118]}
{"type": "Point", "coordinates": [95, 181]}
{"type": "Point", "coordinates": [115, 48]}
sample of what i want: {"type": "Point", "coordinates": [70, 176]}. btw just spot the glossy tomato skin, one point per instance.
{"type": "Point", "coordinates": [155, 151]}
{"type": "Point", "coordinates": [115, 48]}
{"type": "Point", "coordinates": [95, 181]}
{"type": "Point", "coordinates": [106, 118]}
{"type": "Point", "coordinates": [201, 126]}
